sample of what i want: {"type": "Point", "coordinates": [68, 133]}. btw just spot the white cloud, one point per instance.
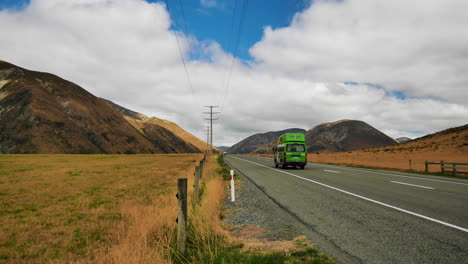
{"type": "Point", "coordinates": [123, 50]}
{"type": "Point", "coordinates": [418, 47]}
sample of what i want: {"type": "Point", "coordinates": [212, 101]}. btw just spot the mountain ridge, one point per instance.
{"type": "Point", "coordinates": [255, 141]}
{"type": "Point", "coordinates": [337, 136]}
{"type": "Point", "coordinates": [43, 113]}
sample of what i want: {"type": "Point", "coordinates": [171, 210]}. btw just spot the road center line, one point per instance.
{"type": "Point", "coordinates": [420, 186]}
{"type": "Point", "coordinates": [332, 171]}
{"type": "Point", "coordinates": [362, 197]}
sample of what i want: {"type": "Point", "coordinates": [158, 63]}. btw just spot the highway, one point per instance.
{"type": "Point", "coordinates": [369, 216]}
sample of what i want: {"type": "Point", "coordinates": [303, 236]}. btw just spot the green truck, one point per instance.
{"type": "Point", "coordinates": [290, 150]}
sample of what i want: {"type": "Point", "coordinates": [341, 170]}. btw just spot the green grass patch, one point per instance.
{"type": "Point", "coordinates": [224, 170]}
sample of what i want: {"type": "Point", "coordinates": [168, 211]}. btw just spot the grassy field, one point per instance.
{"type": "Point", "coordinates": [117, 209]}
{"type": "Point", "coordinates": [83, 208]}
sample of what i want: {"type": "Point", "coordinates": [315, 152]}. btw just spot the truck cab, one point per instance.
{"type": "Point", "coordinates": [290, 150]}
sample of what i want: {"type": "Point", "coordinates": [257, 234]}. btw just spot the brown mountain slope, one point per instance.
{"type": "Point", "coordinates": [126, 112]}
{"type": "Point", "coordinates": [42, 113]}
{"type": "Point", "coordinates": [345, 135]}
{"type": "Point", "coordinates": [177, 130]}
{"type": "Point", "coordinates": [139, 121]}
{"type": "Point", "coordinates": [450, 145]}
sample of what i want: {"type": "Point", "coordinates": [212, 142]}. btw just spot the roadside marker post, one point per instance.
{"type": "Point", "coordinates": [233, 194]}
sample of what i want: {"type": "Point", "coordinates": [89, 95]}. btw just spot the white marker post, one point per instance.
{"type": "Point", "coordinates": [233, 194]}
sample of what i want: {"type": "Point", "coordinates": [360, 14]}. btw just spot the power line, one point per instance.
{"type": "Point", "coordinates": [183, 16]}
{"type": "Point", "coordinates": [236, 47]}
{"type": "Point", "coordinates": [211, 119]}
{"type": "Point", "coordinates": [180, 51]}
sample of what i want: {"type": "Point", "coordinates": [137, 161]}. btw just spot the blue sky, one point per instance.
{"type": "Point", "coordinates": [215, 22]}
{"type": "Point", "coordinates": [13, 4]}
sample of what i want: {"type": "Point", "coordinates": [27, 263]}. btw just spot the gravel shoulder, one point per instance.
{"type": "Point", "coordinates": [253, 207]}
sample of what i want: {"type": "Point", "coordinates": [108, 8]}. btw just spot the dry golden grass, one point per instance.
{"type": "Point", "coordinates": [390, 160]}
{"type": "Point", "coordinates": [89, 208]}
{"type": "Point", "coordinates": [451, 146]}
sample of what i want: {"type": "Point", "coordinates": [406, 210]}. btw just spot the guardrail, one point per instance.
{"type": "Point", "coordinates": [449, 167]}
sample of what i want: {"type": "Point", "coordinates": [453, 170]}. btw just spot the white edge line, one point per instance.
{"type": "Point", "coordinates": [332, 171]}
{"type": "Point", "coordinates": [390, 174]}
{"type": "Point", "coordinates": [420, 186]}
{"type": "Point", "coordinates": [365, 198]}
{"type": "Point", "coordinates": [383, 173]}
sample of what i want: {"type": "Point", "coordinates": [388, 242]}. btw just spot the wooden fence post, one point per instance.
{"type": "Point", "coordinates": [442, 168]}
{"type": "Point", "coordinates": [409, 161]}
{"type": "Point", "coordinates": [182, 218]}
{"type": "Point", "coordinates": [426, 169]}
{"type": "Point", "coordinates": [196, 183]}
{"type": "Point", "coordinates": [202, 167]}
{"type": "Point", "coordinates": [454, 171]}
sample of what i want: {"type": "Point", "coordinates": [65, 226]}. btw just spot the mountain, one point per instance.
{"type": "Point", "coordinates": [403, 139]}
{"type": "Point", "coordinates": [223, 148]}
{"type": "Point", "coordinates": [251, 143]}
{"type": "Point", "coordinates": [345, 135]}
{"type": "Point", "coordinates": [139, 121]}
{"type": "Point", "coordinates": [126, 112]}
{"type": "Point", "coordinates": [43, 113]}
{"type": "Point", "coordinates": [451, 140]}
{"type": "Point", "coordinates": [450, 145]}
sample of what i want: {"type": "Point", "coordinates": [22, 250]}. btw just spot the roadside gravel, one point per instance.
{"type": "Point", "coordinates": [253, 207]}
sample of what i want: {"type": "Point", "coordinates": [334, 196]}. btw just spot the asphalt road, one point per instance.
{"type": "Point", "coordinates": [367, 216]}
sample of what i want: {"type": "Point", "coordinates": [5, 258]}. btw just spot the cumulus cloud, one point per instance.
{"type": "Point", "coordinates": [124, 50]}
{"type": "Point", "coordinates": [417, 47]}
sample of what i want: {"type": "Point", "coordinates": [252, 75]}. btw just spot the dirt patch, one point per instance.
{"type": "Point", "coordinates": [256, 237]}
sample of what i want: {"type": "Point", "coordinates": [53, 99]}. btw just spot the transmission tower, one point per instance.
{"type": "Point", "coordinates": [211, 119]}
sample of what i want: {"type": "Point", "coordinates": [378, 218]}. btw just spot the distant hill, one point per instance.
{"type": "Point", "coordinates": [43, 113]}
{"type": "Point", "coordinates": [345, 135]}
{"type": "Point", "coordinates": [403, 139]}
{"type": "Point", "coordinates": [450, 145]}
{"type": "Point", "coordinates": [451, 140]}
{"type": "Point", "coordinates": [223, 148]}
{"type": "Point", "coordinates": [253, 142]}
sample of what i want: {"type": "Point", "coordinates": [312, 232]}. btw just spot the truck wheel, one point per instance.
{"type": "Point", "coordinates": [302, 167]}
{"type": "Point", "coordinates": [276, 164]}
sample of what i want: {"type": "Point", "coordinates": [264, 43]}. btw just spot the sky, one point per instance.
{"type": "Point", "coordinates": [398, 65]}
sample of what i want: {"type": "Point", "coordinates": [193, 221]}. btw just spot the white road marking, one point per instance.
{"type": "Point", "coordinates": [420, 186]}
{"type": "Point", "coordinates": [362, 197]}
{"type": "Point", "coordinates": [332, 171]}
{"type": "Point", "coordinates": [391, 174]}
{"type": "Point", "coordinates": [382, 173]}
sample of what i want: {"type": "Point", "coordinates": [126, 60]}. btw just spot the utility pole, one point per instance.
{"type": "Point", "coordinates": [211, 119]}
{"type": "Point", "coordinates": [207, 131]}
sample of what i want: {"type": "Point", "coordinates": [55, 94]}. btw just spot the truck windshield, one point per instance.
{"type": "Point", "coordinates": [295, 148]}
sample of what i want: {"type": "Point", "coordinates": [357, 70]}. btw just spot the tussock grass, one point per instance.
{"type": "Point", "coordinates": [89, 208]}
